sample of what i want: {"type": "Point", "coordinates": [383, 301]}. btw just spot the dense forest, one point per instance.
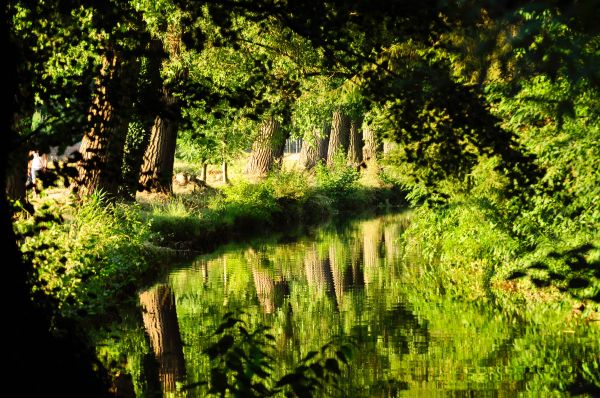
{"type": "Point", "coordinates": [481, 116]}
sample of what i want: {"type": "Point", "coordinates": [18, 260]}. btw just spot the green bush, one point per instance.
{"type": "Point", "coordinates": [87, 261]}
{"type": "Point", "coordinates": [339, 181]}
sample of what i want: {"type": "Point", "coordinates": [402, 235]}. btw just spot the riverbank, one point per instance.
{"type": "Point", "coordinates": [90, 255]}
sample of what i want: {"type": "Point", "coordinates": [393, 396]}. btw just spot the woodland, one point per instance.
{"type": "Point", "coordinates": [482, 117]}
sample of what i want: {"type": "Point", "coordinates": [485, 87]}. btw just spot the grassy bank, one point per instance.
{"type": "Point", "coordinates": [90, 255]}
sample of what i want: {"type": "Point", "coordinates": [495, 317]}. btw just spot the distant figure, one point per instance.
{"type": "Point", "coordinates": [37, 163]}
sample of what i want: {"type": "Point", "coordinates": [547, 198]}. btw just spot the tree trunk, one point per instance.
{"type": "Point", "coordinates": [265, 148]}
{"type": "Point", "coordinates": [371, 147]}
{"type": "Point", "coordinates": [338, 140]}
{"type": "Point", "coordinates": [157, 169]}
{"type": "Point", "coordinates": [279, 150]}
{"type": "Point", "coordinates": [314, 148]}
{"type": "Point", "coordinates": [203, 172]}
{"type": "Point", "coordinates": [160, 321]}
{"type": "Point", "coordinates": [103, 144]}
{"type": "Point", "coordinates": [355, 147]}
{"type": "Point", "coordinates": [224, 173]}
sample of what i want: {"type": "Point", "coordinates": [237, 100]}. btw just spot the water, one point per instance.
{"type": "Point", "coordinates": [412, 337]}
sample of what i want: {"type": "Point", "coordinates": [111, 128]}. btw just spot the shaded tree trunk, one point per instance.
{"type": "Point", "coordinates": [160, 321]}
{"type": "Point", "coordinates": [355, 146]}
{"type": "Point", "coordinates": [157, 168]}
{"type": "Point", "coordinates": [156, 174]}
{"type": "Point", "coordinates": [314, 149]}
{"type": "Point", "coordinates": [265, 148]}
{"type": "Point", "coordinates": [103, 144]}
{"type": "Point", "coordinates": [148, 101]}
{"type": "Point", "coordinates": [339, 137]}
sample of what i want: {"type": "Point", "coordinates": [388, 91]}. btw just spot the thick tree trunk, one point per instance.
{"type": "Point", "coordinates": [314, 148]}
{"type": "Point", "coordinates": [371, 145]}
{"type": "Point", "coordinates": [265, 148]}
{"type": "Point", "coordinates": [157, 169]}
{"type": "Point", "coordinates": [160, 321]}
{"type": "Point", "coordinates": [338, 140]}
{"type": "Point", "coordinates": [103, 144]}
{"type": "Point", "coordinates": [355, 147]}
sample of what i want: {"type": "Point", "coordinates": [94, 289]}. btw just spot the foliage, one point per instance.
{"type": "Point", "coordinates": [242, 364]}
{"type": "Point", "coordinates": [85, 263]}
{"type": "Point", "coordinates": [338, 181]}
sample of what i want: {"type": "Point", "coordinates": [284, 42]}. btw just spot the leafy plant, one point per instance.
{"type": "Point", "coordinates": [243, 364]}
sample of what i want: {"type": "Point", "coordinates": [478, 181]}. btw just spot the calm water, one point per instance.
{"type": "Point", "coordinates": [414, 337]}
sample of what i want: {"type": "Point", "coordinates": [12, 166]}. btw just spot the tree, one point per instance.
{"type": "Point", "coordinates": [339, 137]}
{"type": "Point", "coordinates": [265, 148]}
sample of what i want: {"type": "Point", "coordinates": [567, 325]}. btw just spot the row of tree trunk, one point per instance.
{"type": "Point", "coordinates": [342, 138]}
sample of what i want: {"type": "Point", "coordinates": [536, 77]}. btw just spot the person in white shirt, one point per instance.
{"type": "Point", "coordinates": [37, 163]}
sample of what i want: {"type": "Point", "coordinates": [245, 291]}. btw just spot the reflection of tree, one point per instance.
{"type": "Point", "coordinates": [202, 265]}
{"type": "Point", "coordinates": [356, 257]}
{"type": "Point", "coordinates": [318, 271]}
{"type": "Point", "coordinates": [372, 235]}
{"type": "Point", "coordinates": [160, 320]}
{"type": "Point", "coordinates": [270, 291]}
{"type": "Point", "coordinates": [341, 276]}
{"type": "Point", "coordinates": [390, 237]}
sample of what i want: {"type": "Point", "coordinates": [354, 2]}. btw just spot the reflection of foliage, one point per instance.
{"type": "Point", "coordinates": [243, 364]}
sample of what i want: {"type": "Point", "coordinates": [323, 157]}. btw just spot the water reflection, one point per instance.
{"type": "Point", "coordinates": [162, 327]}
{"type": "Point", "coordinates": [413, 339]}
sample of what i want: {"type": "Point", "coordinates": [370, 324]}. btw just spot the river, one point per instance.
{"type": "Point", "coordinates": [354, 286]}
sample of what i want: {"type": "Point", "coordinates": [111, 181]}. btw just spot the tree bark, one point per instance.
{"type": "Point", "coordinates": [157, 169]}
{"type": "Point", "coordinates": [355, 146]}
{"type": "Point", "coordinates": [203, 172]}
{"type": "Point", "coordinates": [371, 145]}
{"type": "Point", "coordinates": [103, 144]}
{"type": "Point", "coordinates": [160, 321]}
{"type": "Point", "coordinates": [265, 148]}
{"type": "Point", "coordinates": [338, 140]}
{"type": "Point", "coordinates": [314, 148]}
